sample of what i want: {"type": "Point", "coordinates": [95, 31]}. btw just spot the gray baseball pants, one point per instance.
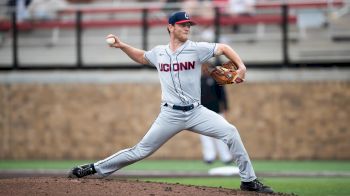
{"type": "Point", "coordinates": [170, 122]}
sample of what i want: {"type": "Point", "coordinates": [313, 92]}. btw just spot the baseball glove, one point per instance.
{"type": "Point", "coordinates": [226, 74]}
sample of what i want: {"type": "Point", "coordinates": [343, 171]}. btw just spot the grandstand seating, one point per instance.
{"type": "Point", "coordinates": [224, 20]}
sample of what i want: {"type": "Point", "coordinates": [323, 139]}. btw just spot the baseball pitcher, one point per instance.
{"type": "Point", "coordinates": [179, 68]}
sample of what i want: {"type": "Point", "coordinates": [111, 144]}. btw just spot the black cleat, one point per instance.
{"type": "Point", "coordinates": [208, 161]}
{"type": "Point", "coordinates": [82, 170]}
{"type": "Point", "coordinates": [256, 186]}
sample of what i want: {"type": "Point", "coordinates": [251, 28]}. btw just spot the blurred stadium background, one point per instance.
{"type": "Point", "coordinates": [64, 94]}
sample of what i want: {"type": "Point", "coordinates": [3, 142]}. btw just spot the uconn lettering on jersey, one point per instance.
{"type": "Point", "coordinates": [176, 66]}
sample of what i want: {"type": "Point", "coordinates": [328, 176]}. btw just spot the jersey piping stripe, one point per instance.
{"type": "Point", "coordinates": [214, 49]}
{"type": "Point", "coordinates": [113, 156]}
{"type": "Point", "coordinates": [183, 101]}
{"type": "Point", "coordinates": [178, 76]}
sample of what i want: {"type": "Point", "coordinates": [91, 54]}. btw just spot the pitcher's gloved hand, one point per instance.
{"type": "Point", "coordinates": [226, 74]}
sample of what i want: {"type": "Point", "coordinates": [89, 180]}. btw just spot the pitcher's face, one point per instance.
{"type": "Point", "coordinates": [181, 31]}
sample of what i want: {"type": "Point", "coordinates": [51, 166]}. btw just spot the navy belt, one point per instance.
{"type": "Point", "coordinates": [182, 108]}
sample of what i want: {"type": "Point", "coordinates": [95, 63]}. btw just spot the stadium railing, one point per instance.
{"type": "Point", "coordinates": [284, 18]}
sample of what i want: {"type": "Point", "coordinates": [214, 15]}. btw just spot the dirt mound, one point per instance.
{"type": "Point", "coordinates": [63, 186]}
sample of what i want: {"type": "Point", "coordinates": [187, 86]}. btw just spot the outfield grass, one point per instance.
{"type": "Point", "coordinates": [189, 165]}
{"type": "Point", "coordinates": [39, 164]}
{"type": "Point", "coordinates": [318, 186]}
{"type": "Point", "coordinates": [299, 186]}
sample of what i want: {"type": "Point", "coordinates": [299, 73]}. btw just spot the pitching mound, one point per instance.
{"type": "Point", "coordinates": [62, 186]}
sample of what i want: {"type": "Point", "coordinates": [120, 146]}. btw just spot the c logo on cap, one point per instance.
{"type": "Point", "coordinates": [186, 16]}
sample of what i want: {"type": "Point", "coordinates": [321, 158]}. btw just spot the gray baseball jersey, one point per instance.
{"type": "Point", "coordinates": [179, 73]}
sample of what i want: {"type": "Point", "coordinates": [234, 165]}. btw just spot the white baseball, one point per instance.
{"type": "Point", "coordinates": [110, 40]}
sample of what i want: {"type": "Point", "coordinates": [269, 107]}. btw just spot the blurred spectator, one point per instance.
{"type": "Point", "coordinates": [222, 5]}
{"type": "Point", "coordinates": [213, 97]}
{"type": "Point", "coordinates": [21, 8]}
{"type": "Point", "coordinates": [46, 9]}
{"type": "Point", "coordinates": [191, 7]}
{"type": "Point", "coordinates": [202, 8]}
{"type": "Point", "coordinates": [241, 8]}
{"type": "Point", "coordinates": [205, 10]}
{"type": "Point", "coordinates": [169, 6]}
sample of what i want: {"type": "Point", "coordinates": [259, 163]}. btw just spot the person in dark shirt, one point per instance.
{"type": "Point", "coordinates": [213, 97]}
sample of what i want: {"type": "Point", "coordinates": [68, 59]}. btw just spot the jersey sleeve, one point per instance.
{"type": "Point", "coordinates": [150, 56]}
{"type": "Point", "coordinates": [206, 50]}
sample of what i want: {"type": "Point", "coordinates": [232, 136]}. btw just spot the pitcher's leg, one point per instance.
{"type": "Point", "coordinates": [209, 123]}
{"type": "Point", "coordinates": [158, 134]}
{"type": "Point", "coordinates": [240, 156]}
{"type": "Point", "coordinates": [223, 151]}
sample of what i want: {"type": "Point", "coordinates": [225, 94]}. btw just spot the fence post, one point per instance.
{"type": "Point", "coordinates": [217, 25]}
{"type": "Point", "coordinates": [79, 37]}
{"type": "Point", "coordinates": [145, 29]}
{"type": "Point", "coordinates": [14, 40]}
{"type": "Point", "coordinates": [285, 46]}
{"type": "Point", "coordinates": [217, 31]}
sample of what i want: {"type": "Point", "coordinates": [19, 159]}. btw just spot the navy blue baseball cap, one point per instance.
{"type": "Point", "coordinates": [179, 18]}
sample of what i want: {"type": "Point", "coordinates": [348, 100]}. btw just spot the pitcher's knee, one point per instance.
{"type": "Point", "coordinates": [141, 151]}
{"type": "Point", "coordinates": [231, 135]}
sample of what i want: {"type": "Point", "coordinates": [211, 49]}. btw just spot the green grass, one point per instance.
{"type": "Point", "coordinates": [38, 164]}
{"type": "Point", "coordinates": [260, 166]}
{"type": "Point", "coordinates": [299, 186]}
{"type": "Point", "coordinates": [320, 186]}
{"type": "Point", "coordinates": [302, 166]}
{"type": "Point", "coordinates": [188, 165]}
